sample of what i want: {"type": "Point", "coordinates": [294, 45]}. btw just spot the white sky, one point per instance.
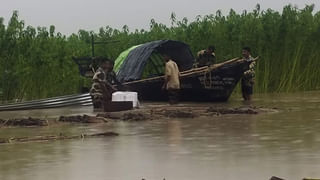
{"type": "Point", "coordinates": [71, 15]}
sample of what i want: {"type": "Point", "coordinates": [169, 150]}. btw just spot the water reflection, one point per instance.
{"type": "Point", "coordinates": [174, 132]}
{"type": "Point", "coordinates": [284, 144]}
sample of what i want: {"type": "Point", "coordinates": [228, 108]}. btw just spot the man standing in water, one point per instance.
{"type": "Point", "coordinates": [172, 82]}
{"type": "Point", "coordinates": [206, 57]}
{"type": "Point", "coordinates": [101, 90]}
{"type": "Point", "coordinates": [248, 80]}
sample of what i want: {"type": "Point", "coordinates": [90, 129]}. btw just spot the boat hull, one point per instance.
{"type": "Point", "coordinates": [213, 86]}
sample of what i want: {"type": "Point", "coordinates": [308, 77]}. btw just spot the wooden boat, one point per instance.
{"type": "Point", "coordinates": [214, 83]}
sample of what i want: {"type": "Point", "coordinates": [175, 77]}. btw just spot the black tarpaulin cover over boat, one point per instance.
{"type": "Point", "coordinates": [134, 64]}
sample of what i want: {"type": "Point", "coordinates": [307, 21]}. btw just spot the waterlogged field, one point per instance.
{"type": "Point", "coordinates": [36, 62]}
{"type": "Point", "coordinates": [257, 146]}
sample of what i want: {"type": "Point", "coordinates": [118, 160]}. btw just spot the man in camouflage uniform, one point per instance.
{"type": "Point", "coordinates": [206, 57]}
{"type": "Point", "coordinates": [248, 78]}
{"type": "Point", "coordinates": [101, 90]}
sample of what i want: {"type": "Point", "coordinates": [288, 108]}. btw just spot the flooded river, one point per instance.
{"type": "Point", "coordinates": [284, 144]}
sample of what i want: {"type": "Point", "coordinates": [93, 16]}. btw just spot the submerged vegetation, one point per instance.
{"type": "Point", "coordinates": [37, 62]}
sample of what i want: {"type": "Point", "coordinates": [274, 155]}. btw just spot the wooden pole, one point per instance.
{"type": "Point", "coordinates": [92, 45]}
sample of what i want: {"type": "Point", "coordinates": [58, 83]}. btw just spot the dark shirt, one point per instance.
{"type": "Point", "coordinates": [205, 58]}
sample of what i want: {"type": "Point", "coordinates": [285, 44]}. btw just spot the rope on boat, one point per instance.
{"type": "Point", "coordinates": [205, 79]}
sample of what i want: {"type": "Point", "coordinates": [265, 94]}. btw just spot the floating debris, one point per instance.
{"type": "Point", "coordinates": [108, 115]}
{"type": "Point", "coordinates": [24, 122]}
{"type": "Point", "coordinates": [178, 114]}
{"type": "Point", "coordinates": [82, 119]}
{"type": "Point", "coordinates": [241, 110]}
{"type": "Point", "coordinates": [130, 116]}
{"type": "Point", "coordinates": [275, 178]}
{"type": "Point", "coordinates": [53, 137]}
{"type": "Point", "coordinates": [136, 115]}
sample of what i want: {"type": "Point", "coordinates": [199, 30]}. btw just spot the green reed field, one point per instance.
{"type": "Point", "coordinates": [37, 62]}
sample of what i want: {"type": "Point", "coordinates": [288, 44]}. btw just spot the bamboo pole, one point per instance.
{"type": "Point", "coordinates": [188, 72]}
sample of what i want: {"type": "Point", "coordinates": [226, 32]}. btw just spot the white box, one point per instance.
{"type": "Point", "coordinates": [126, 96]}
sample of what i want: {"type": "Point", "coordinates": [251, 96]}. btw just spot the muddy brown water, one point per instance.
{"type": "Point", "coordinates": [284, 144]}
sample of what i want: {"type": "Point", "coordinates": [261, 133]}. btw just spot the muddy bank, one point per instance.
{"type": "Point", "coordinates": [143, 114]}
{"type": "Point", "coordinates": [53, 138]}
{"type": "Point", "coordinates": [82, 119]}
{"type": "Point", "coordinates": [24, 122]}
{"type": "Point", "coordinates": [165, 113]}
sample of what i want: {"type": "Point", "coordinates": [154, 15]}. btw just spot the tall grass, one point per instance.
{"type": "Point", "coordinates": [36, 62]}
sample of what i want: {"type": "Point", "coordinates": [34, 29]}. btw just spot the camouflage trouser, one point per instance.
{"type": "Point", "coordinates": [247, 87]}
{"type": "Point", "coordinates": [97, 100]}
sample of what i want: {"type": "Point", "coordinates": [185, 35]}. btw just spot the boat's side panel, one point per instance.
{"type": "Point", "coordinates": [214, 86]}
